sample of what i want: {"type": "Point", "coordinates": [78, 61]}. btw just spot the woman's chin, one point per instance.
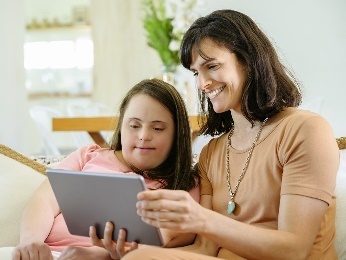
{"type": "Point", "coordinates": [218, 109]}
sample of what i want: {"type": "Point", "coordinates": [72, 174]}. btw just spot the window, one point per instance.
{"type": "Point", "coordinates": [58, 61]}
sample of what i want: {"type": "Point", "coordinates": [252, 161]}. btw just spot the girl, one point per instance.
{"type": "Point", "coordinates": [152, 139]}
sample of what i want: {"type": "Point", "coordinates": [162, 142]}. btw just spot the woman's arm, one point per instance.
{"type": "Point", "coordinates": [201, 244]}
{"type": "Point", "coordinates": [180, 213]}
{"type": "Point", "coordinates": [37, 221]}
{"type": "Point", "coordinates": [292, 240]}
{"type": "Point", "coordinates": [172, 238]}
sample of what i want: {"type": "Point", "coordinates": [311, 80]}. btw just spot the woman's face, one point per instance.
{"type": "Point", "coordinates": [147, 132]}
{"type": "Point", "coordinates": [222, 78]}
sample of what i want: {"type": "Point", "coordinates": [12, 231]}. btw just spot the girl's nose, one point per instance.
{"type": "Point", "coordinates": [145, 134]}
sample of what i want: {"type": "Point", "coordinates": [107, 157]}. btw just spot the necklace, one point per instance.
{"type": "Point", "coordinates": [231, 203]}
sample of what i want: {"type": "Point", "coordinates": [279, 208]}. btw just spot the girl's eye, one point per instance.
{"type": "Point", "coordinates": [134, 126]}
{"type": "Point", "coordinates": [158, 129]}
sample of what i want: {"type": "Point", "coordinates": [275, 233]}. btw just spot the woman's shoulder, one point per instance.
{"type": "Point", "coordinates": [215, 144]}
{"type": "Point", "coordinates": [297, 118]}
{"type": "Point", "coordinates": [302, 126]}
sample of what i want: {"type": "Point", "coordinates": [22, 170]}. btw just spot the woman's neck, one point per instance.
{"type": "Point", "coordinates": [241, 124]}
{"type": "Point", "coordinates": [244, 133]}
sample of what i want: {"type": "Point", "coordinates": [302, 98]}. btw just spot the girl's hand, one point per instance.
{"type": "Point", "coordinates": [84, 253]}
{"type": "Point", "coordinates": [171, 209]}
{"type": "Point", "coordinates": [32, 250]}
{"type": "Point", "coordinates": [116, 249]}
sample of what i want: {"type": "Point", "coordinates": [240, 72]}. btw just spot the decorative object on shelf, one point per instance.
{"type": "Point", "coordinates": [165, 22]}
{"type": "Point", "coordinates": [79, 16]}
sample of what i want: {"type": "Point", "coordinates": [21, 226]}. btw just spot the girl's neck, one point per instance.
{"type": "Point", "coordinates": [120, 157]}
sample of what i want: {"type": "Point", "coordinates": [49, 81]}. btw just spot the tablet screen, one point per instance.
{"type": "Point", "coordinates": [91, 199]}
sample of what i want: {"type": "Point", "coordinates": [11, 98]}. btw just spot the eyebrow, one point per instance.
{"type": "Point", "coordinates": [138, 119]}
{"type": "Point", "coordinates": [203, 63]}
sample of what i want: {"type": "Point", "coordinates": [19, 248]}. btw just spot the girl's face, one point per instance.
{"type": "Point", "coordinates": [222, 78]}
{"type": "Point", "coordinates": [147, 132]}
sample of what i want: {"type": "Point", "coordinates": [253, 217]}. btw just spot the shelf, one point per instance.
{"type": "Point", "coordinates": [43, 94]}
{"type": "Point", "coordinates": [60, 28]}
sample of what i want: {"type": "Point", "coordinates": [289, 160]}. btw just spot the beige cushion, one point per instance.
{"type": "Point", "coordinates": [340, 221]}
{"type": "Point", "coordinates": [19, 178]}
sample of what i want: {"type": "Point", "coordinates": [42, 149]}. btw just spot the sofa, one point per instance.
{"type": "Point", "coordinates": [20, 176]}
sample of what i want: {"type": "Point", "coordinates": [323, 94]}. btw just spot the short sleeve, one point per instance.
{"type": "Point", "coordinates": [310, 159]}
{"type": "Point", "coordinates": [77, 159]}
{"type": "Point", "coordinates": [206, 186]}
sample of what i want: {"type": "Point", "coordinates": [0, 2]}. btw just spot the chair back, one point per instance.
{"type": "Point", "coordinates": [82, 138]}
{"type": "Point", "coordinates": [42, 116]}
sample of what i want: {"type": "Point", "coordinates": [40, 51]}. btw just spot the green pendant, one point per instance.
{"type": "Point", "coordinates": [231, 207]}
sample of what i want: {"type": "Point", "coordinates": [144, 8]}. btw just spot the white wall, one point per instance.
{"type": "Point", "coordinates": [14, 119]}
{"type": "Point", "coordinates": [311, 37]}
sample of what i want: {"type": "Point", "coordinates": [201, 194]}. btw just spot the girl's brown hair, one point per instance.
{"type": "Point", "coordinates": [175, 171]}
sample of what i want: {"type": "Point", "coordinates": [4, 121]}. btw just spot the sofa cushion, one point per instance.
{"type": "Point", "coordinates": [19, 178]}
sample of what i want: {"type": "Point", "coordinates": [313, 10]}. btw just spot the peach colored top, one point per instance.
{"type": "Point", "coordinates": [299, 156]}
{"type": "Point", "coordinates": [91, 158]}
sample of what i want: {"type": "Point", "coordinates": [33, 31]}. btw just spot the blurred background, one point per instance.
{"type": "Point", "coordinates": [75, 55]}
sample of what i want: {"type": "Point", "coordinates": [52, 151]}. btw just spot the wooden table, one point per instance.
{"type": "Point", "coordinates": [94, 125]}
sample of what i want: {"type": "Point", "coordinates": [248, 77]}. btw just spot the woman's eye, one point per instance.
{"type": "Point", "coordinates": [195, 74]}
{"type": "Point", "coordinates": [158, 129]}
{"type": "Point", "coordinates": [212, 67]}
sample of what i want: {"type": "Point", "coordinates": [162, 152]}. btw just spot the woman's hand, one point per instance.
{"type": "Point", "coordinates": [32, 251]}
{"type": "Point", "coordinates": [171, 209]}
{"type": "Point", "coordinates": [116, 249]}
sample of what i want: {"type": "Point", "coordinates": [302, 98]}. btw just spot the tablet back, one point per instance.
{"type": "Point", "coordinates": [91, 199]}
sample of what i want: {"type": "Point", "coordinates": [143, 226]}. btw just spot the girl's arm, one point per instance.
{"type": "Point", "coordinates": [37, 221]}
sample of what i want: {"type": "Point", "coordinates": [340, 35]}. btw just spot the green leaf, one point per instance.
{"type": "Point", "coordinates": [159, 31]}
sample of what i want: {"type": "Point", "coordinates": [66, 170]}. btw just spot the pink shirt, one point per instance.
{"type": "Point", "coordinates": [91, 158]}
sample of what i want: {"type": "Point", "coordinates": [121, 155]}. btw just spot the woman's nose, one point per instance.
{"type": "Point", "coordinates": [202, 81]}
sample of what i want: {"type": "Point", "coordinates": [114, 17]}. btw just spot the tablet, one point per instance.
{"type": "Point", "coordinates": [91, 199]}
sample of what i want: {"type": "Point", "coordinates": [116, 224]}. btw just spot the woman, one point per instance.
{"type": "Point", "coordinates": [152, 139]}
{"type": "Point", "coordinates": [267, 180]}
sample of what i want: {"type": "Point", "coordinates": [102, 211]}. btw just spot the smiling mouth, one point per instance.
{"type": "Point", "coordinates": [214, 93]}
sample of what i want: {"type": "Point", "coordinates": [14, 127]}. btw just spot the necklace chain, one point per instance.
{"type": "Point", "coordinates": [241, 176]}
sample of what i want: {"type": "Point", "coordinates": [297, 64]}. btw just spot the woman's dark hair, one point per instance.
{"type": "Point", "coordinates": [176, 171]}
{"type": "Point", "coordinates": [270, 86]}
